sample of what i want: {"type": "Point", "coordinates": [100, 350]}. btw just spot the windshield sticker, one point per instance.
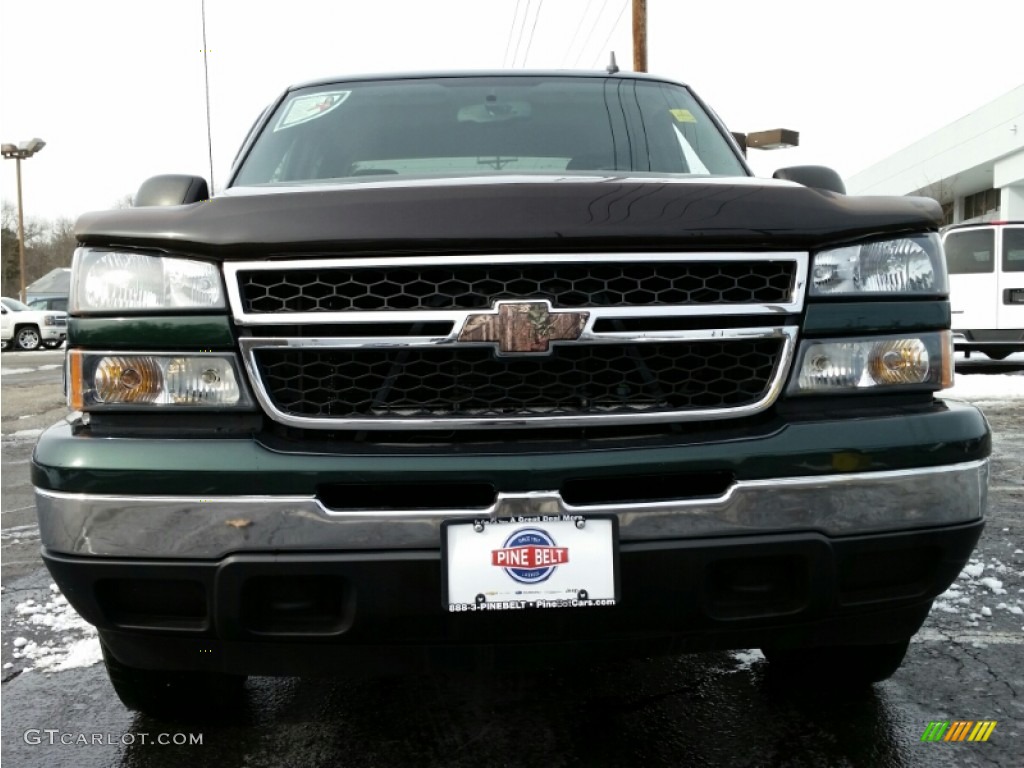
{"type": "Point", "coordinates": [683, 116]}
{"type": "Point", "coordinates": [302, 109]}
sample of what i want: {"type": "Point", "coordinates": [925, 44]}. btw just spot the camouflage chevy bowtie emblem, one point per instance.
{"type": "Point", "coordinates": [524, 327]}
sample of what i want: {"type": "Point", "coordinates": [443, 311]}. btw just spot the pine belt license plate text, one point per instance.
{"type": "Point", "coordinates": [530, 562]}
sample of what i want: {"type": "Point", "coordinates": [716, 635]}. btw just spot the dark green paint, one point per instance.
{"type": "Point", "coordinates": [146, 333]}
{"type": "Point", "coordinates": [827, 318]}
{"type": "Point", "coordinates": [63, 462]}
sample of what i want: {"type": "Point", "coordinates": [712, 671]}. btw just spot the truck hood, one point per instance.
{"type": "Point", "coordinates": [518, 213]}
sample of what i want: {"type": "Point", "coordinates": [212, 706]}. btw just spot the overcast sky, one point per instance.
{"type": "Point", "coordinates": [115, 87]}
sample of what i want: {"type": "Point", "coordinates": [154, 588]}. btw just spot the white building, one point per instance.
{"type": "Point", "coordinates": [974, 166]}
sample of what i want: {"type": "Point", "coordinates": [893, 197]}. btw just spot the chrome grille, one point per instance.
{"type": "Point", "coordinates": [439, 342]}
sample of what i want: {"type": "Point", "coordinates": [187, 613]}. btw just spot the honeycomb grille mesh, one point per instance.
{"type": "Point", "coordinates": [478, 286]}
{"type": "Point", "coordinates": [577, 379]}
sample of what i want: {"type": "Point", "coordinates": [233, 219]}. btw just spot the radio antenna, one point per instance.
{"type": "Point", "coordinates": [206, 77]}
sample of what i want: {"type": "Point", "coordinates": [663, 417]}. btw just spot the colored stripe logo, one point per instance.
{"type": "Point", "coordinates": [958, 730]}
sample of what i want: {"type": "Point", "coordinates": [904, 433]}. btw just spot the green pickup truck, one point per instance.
{"type": "Point", "coordinates": [525, 362]}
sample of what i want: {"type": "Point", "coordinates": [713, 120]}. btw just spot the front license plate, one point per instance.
{"type": "Point", "coordinates": [543, 562]}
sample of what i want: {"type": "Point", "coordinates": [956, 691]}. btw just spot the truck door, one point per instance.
{"type": "Point", "coordinates": [1011, 279]}
{"type": "Point", "coordinates": [973, 283]}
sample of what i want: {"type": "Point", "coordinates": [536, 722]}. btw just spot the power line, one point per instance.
{"type": "Point", "coordinates": [576, 34]}
{"type": "Point", "coordinates": [618, 18]}
{"type": "Point", "coordinates": [511, 29]}
{"type": "Point", "coordinates": [590, 34]}
{"type": "Point", "coordinates": [519, 40]}
{"type": "Point", "coordinates": [529, 43]}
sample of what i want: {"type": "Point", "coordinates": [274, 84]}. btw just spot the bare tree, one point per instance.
{"type": "Point", "coordinates": [48, 245]}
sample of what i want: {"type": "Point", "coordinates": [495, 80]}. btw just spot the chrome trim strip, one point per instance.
{"type": "Point", "coordinates": [194, 527]}
{"type": "Point", "coordinates": [249, 343]}
{"type": "Point", "coordinates": [782, 366]}
{"type": "Point", "coordinates": [232, 269]}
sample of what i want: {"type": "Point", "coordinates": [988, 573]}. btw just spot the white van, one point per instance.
{"type": "Point", "coordinates": [986, 286]}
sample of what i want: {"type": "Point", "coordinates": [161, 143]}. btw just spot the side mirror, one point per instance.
{"type": "Point", "coordinates": [172, 190]}
{"type": "Point", "coordinates": [817, 176]}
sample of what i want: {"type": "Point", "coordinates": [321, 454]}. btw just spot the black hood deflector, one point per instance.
{"type": "Point", "coordinates": [606, 214]}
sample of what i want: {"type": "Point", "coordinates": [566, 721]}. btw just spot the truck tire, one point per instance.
{"type": "Point", "coordinates": [27, 338]}
{"type": "Point", "coordinates": [174, 694]}
{"type": "Point", "coordinates": [850, 666]}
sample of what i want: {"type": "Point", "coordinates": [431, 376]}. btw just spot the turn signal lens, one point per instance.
{"type": "Point", "coordinates": [127, 380]}
{"type": "Point", "coordinates": [899, 362]}
{"type": "Point", "coordinates": [923, 361]}
{"type": "Point", "coordinates": [100, 380]}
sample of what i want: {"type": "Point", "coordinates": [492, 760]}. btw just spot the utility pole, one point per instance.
{"type": "Point", "coordinates": [639, 35]}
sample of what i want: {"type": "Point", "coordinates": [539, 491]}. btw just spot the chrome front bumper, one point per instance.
{"type": "Point", "coordinates": [212, 527]}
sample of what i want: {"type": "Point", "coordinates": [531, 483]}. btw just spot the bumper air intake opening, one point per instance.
{"type": "Point", "coordinates": [394, 496]}
{"type": "Point", "coordinates": [639, 489]}
{"type": "Point", "coordinates": [757, 587]}
{"type": "Point", "coordinates": [317, 605]}
{"type": "Point", "coordinates": [153, 603]}
{"type": "Point", "coordinates": [887, 574]}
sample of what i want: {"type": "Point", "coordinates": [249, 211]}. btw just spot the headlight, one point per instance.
{"type": "Point", "coordinates": [906, 265]}
{"type": "Point", "coordinates": [102, 379]}
{"type": "Point", "coordinates": [125, 281]}
{"type": "Point", "coordinates": [827, 367]}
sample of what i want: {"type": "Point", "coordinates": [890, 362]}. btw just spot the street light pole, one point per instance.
{"type": "Point", "coordinates": [21, 232]}
{"type": "Point", "coordinates": [26, 150]}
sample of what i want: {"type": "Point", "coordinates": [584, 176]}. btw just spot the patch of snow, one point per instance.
{"type": "Point", "coordinates": [25, 433]}
{"type": "Point", "coordinates": [81, 653]}
{"type": "Point", "coordinates": [74, 642]}
{"type": "Point", "coordinates": [12, 371]}
{"type": "Point", "coordinates": [50, 367]}
{"type": "Point", "coordinates": [993, 584]}
{"type": "Point", "coordinates": [985, 387]}
{"type": "Point", "coordinates": [986, 611]}
{"type": "Point", "coordinates": [747, 658]}
{"type": "Point", "coordinates": [20, 532]}
{"type": "Point", "coordinates": [1016, 609]}
{"type": "Point", "coordinates": [973, 569]}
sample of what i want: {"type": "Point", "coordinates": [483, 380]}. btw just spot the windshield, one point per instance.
{"type": "Point", "coordinates": [487, 125]}
{"type": "Point", "coordinates": [14, 305]}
